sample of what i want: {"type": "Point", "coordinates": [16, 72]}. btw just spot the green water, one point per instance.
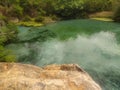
{"type": "Point", "coordinates": [94, 45]}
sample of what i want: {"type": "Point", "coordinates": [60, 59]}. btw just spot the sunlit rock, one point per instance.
{"type": "Point", "coordinates": [14, 76]}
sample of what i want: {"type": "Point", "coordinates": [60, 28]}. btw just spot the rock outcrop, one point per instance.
{"type": "Point", "coordinates": [14, 76]}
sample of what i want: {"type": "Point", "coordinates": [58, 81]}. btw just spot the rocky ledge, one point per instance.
{"type": "Point", "coordinates": [15, 76]}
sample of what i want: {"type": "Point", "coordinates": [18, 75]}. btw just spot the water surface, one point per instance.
{"type": "Point", "coordinates": [94, 45]}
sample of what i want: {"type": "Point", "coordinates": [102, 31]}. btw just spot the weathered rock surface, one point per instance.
{"type": "Point", "coordinates": [14, 76]}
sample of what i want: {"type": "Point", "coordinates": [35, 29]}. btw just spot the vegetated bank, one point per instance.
{"type": "Point", "coordinates": [37, 13]}
{"type": "Point", "coordinates": [8, 34]}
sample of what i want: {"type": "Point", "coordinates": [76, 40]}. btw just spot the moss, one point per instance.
{"type": "Point", "coordinates": [30, 23]}
{"type": "Point", "coordinates": [103, 19]}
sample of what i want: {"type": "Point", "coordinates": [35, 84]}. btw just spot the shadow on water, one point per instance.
{"type": "Point", "coordinates": [94, 45]}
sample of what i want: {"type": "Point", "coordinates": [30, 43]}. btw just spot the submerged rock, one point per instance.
{"type": "Point", "coordinates": [14, 76]}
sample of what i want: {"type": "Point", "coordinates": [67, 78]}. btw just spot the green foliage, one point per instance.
{"type": "Point", "coordinates": [2, 17]}
{"type": "Point", "coordinates": [70, 9]}
{"type": "Point", "coordinates": [54, 17]}
{"type": "Point", "coordinates": [26, 18]}
{"type": "Point", "coordinates": [8, 33]}
{"type": "Point", "coordinates": [17, 11]}
{"type": "Point", "coordinates": [30, 23]}
{"type": "Point", "coordinates": [91, 6]}
{"type": "Point", "coordinates": [2, 39]}
{"type": "Point", "coordinates": [10, 58]}
{"type": "Point", "coordinates": [117, 15]}
{"type": "Point", "coordinates": [6, 56]}
{"type": "Point", "coordinates": [30, 7]}
{"type": "Point", "coordinates": [116, 6]}
{"type": "Point", "coordinates": [65, 9]}
{"type": "Point", "coordinates": [39, 19]}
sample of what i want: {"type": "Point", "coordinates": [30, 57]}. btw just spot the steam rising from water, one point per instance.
{"type": "Point", "coordinates": [99, 54]}
{"type": "Point", "coordinates": [98, 47]}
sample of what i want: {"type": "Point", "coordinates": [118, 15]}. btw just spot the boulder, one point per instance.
{"type": "Point", "coordinates": [16, 76]}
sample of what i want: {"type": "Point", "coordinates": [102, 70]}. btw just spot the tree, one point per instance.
{"type": "Point", "coordinates": [116, 10]}
{"type": "Point", "coordinates": [66, 9]}
{"type": "Point", "coordinates": [30, 7]}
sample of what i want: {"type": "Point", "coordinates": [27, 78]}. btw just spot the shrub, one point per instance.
{"type": "Point", "coordinates": [15, 11]}
{"type": "Point", "coordinates": [2, 17]}
{"type": "Point", "coordinates": [26, 18]}
{"type": "Point", "coordinates": [54, 17]}
{"type": "Point", "coordinates": [116, 16]}
{"type": "Point", "coordinates": [10, 58]}
{"type": "Point", "coordinates": [8, 33]}
{"type": "Point", "coordinates": [39, 19]}
{"type": "Point", "coordinates": [6, 56]}
{"type": "Point", "coordinates": [92, 6]}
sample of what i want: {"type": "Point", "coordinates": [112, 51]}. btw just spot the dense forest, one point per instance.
{"type": "Point", "coordinates": [40, 10]}
{"type": "Point", "coordinates": [37, 10]}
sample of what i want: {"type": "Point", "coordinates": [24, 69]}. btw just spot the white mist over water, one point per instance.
{"type": "Point", "coordinates": [98, 54]}
{"type": "Point", "coordinates": [95, 49]}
